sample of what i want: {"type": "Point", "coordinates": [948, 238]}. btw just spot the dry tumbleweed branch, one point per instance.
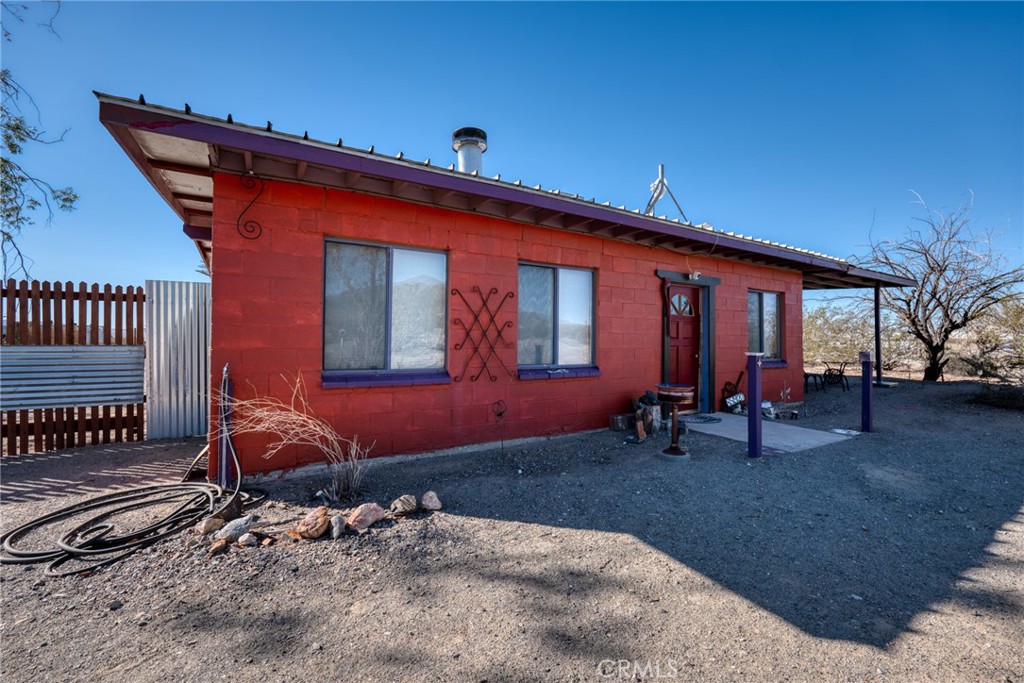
{"type": "Point", "coordinates": [295, 423]}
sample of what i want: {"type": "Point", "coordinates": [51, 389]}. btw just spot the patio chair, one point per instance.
{"type": "Point", "coordinates": [815, 378]}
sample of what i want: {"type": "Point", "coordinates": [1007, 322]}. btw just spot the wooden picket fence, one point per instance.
{"type": "Point", "coordinates": [63, 315]}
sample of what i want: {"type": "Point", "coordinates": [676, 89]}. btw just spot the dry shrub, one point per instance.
{"type": "Point", "coordinates": [295, 423]}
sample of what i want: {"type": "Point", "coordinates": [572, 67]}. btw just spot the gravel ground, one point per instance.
{"type": "Point", "coordinates": [893, 556]}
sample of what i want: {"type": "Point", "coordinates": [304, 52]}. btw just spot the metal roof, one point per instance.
{"type": "Point", "coordinates": [178, 151]}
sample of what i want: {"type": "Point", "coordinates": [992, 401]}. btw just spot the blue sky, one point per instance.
{"type": "Point", "coordinates": [801, 123]}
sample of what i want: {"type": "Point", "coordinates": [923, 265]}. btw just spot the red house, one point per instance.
{"type": "Point", "coordinates": [420, 301]}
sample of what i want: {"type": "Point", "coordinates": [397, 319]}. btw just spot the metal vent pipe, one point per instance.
{"type": "Point", "coordinates": [470, 144]}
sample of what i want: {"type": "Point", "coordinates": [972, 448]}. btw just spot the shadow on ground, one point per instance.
{"type": "Point", "coordinates": [851, 542]}
{"type": "Point", "coordinates": [848, 542]}
{"type": "Point", "coordinates": [60, 474]}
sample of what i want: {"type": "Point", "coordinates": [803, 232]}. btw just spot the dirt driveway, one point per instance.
{"type": "Point", "coordinates": [893, 556]}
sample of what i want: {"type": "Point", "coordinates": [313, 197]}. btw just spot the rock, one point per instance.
{"type": "Point", "coordinates": [115, 605]}
{"type": "Point", "coordinates": [234, 529]}
{"type": "Point", "coordinates": [268, 540]}
{"type": "Point", "coordinates": [404, 505]}
{"type": "Point", "coordinates": [248, 540]}
{"type": "Point", "coordinates": [219, 546]}
{"type": "Point", "coordinates": [315, 523]}
{"type": "Point", "coordinates": [364, 516]}
{"type": "Point", "coordinates": [209, 524]}
{"type": "Point", "coordinates": [232, 510]}
{"type": "Point", "coordinates": [337, 527]}
{"type": "Point", "coordinates": [430, 501]}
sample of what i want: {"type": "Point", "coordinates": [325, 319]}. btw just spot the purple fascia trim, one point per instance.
{"type": "Point", "coordinates": [558, 373]}
{"type": "Point", "coordinates": [335, 379]}
{"type": "Point", "coordinates": [774, 364]}
{"type": "Point", "coordinates": [231, 135]}
{"type": "Point", "coordinates": [196, 232]}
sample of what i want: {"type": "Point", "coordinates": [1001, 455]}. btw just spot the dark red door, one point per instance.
{"type": "Point", "coordinates": [684, 339]}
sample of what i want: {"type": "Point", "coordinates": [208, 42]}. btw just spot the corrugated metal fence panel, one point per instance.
{"type": "Point", "coordinates": [65, 376]}
{"type": "Point", "coordinates": [178, 358]}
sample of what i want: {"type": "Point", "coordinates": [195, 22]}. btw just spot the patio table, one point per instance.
{"type": "Point", "coordinates": [835, 374]}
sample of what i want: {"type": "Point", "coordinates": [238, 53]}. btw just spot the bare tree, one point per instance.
{"type": "Point", "coordinates": [960, 276]}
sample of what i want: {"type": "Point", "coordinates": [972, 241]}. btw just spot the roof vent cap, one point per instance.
{"type": "Point", "coordinates": [470, 143]}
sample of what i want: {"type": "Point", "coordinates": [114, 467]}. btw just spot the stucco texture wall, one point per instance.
{"type": "Point", "coordinates": [268, 316]}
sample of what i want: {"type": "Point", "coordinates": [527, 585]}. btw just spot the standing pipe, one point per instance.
{"type": "Point", "coordinates": [225, 475]}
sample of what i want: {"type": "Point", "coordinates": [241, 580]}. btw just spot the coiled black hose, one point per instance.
{"type": "Point", "coordinates": [94, 542]}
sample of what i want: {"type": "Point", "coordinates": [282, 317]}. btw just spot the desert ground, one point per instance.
{"type": "Point", "coordinates": [896, 555]}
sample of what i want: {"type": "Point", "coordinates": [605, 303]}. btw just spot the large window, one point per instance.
{"type": "Point", "coordinates": [764, 324]}
{"type": "Point", "coordinates": [556, 316]}
{"type": "Point", "coordinates": [384, 308]}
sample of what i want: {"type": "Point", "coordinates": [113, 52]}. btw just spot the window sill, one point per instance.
{"type": "Point", "coordinates": [336, 379]}
{"type": "Point", "coordinates": [774, 364]}
{"type": "Point", "coordinates": [558, 373]}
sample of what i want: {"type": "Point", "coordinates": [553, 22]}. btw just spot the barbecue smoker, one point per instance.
{"type": "Point", "coordinates": [674, 395]}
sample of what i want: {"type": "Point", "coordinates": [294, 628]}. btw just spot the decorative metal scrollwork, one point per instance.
{"type": "Point", "coordinates": [250, 229]}
{"type": "Point", "coordinates": [484, 334]}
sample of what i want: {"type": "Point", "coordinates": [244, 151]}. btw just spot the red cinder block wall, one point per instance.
{"type": "Point", "coordinates": [268, 300]}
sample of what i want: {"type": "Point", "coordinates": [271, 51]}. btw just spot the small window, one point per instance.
{"type": "Point", "coordinates": [764, 324]}
{"type": "Point", "coordinates": [384, 308]}
{"type": "Point", "coordinates": [556, 316]}
{"type": "Point", "coordinates": [681, 305]}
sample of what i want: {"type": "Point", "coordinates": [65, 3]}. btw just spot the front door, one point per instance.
{"type": "Point", "coordinates": [684, 339]}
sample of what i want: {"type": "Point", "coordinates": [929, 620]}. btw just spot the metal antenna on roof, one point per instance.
{"type": "Point", "coordinates": [658, 189]}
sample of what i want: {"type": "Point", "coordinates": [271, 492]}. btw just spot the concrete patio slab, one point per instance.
{"type": "Point", "coordinates": [778, 436]}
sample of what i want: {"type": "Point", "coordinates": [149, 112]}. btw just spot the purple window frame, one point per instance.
{"type": "Point", "coordinates": [343, 379]}
{"type": "Point", "coordinates": [528, 372]}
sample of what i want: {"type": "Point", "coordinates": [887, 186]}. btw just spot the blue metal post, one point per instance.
{"type": "Point", "coordinates": [865, 392]}
{"type": "Point", "coordinates": [754, 404]}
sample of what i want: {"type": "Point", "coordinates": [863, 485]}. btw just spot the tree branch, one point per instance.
{"type": "Point", "coordinates": [959, 273]}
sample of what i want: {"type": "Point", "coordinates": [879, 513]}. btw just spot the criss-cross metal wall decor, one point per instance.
{"type": "Point", "coordinates": [250, 229]}
{"type": "Point", "coordinates": [484, 334]}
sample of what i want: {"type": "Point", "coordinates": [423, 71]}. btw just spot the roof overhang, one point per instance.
{"type": "Point", "coordinates": [179, 151]}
